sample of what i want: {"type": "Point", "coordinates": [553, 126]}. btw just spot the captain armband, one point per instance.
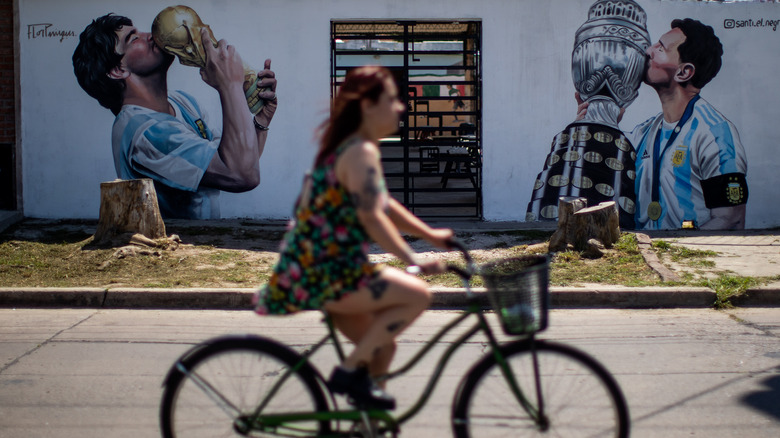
{"type": "Point", "coordinates": [727, 190]}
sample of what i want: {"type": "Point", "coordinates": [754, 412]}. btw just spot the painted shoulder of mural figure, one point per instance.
{"type": "Point", "coordinates": [165, 135]}
{"type": "Point", "coordinates": [691, 165]}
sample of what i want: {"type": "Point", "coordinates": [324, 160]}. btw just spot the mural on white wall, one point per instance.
{"type": "Point", "coordinates": [526, 96]}
{"type": "Point", "coordinates": [685, 164]}
{"type": "Point", "coordinates": [165, 134]}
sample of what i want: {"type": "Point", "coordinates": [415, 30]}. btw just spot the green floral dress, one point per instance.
{"type": "Point", "coordinates": [323, 254]}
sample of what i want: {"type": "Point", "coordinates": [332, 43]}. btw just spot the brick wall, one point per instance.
{"type": "Point", "coordinates": [7, 85]}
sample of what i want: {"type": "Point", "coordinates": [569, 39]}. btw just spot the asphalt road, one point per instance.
{"type": "Point", "coordinates": [97, 373]}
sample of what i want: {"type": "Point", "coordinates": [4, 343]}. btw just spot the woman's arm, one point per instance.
{"type": "Point", "coordinates": [359, 171]}
{"type": "Point", "coordinates": [407, 222]}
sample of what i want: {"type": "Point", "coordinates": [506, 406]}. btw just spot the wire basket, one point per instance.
{"type": "Point", "coordinates": [517, 290]}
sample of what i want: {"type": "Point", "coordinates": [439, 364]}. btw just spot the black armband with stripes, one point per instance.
{"type": "Point", "coordinates": [726, 190]}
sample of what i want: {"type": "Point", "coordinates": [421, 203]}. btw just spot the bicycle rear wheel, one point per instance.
{"type": "Point", "coordinates": [579, 396]}
{"type": "Point", "coordinates": [213, 389]}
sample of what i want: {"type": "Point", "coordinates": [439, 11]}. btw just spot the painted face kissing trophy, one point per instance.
{"type": "Point", "coordinates": [176, 29]}
{"type": "Point", "coordinates": [591, 158]}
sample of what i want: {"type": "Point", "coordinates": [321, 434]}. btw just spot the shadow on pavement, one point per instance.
{"type": "Point", "coordinates": [767, 400]}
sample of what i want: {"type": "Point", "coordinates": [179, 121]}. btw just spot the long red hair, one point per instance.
{"type": "Point", "coordinates": [367, 82]}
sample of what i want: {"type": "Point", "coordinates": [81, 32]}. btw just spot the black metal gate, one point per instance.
{"type": "Point", "coordinates": [433, 164]}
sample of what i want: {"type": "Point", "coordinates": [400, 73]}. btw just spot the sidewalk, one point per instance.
{"type": "Point", "coordinates": [754, 253]}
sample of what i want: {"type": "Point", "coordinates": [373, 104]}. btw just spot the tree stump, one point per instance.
{"type": "Point", "coordinates": [567, 206]}
{"type": "Point", "coordinates": [586, 229]}
{"type": "Point", "coordinates": [128, 207]}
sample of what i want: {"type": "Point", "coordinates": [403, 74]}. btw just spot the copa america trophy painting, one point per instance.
{"type": "Point", "coordinates": [176, 29]}
{"type": "Point", "coordinates": [591, 158]}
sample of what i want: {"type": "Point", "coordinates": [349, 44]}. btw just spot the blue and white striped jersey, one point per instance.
{"type": "Point", "coordinates": [174, 151]}
{"type": "Point", "coordinates": [703, 168]}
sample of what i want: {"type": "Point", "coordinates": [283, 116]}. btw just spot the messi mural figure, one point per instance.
{"type": "Point", "coordinates": [686, 164]}
{"type": "Point", "coordinates": [691, 165]}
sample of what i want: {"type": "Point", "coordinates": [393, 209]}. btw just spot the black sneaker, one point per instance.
{"type": "Point", "coordinates": [359, 387]}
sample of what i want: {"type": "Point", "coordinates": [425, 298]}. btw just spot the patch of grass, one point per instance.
{"type": "Point", "coordinates": [680, 253]}
{"type": "Point", "coordinates": [623, 264]}
{"type": "Point", "coordinates": [60, 256]}
{"type": "Point", "coordinates": [627, 243]}
{"type": "Point", "coordinates": [223, 257]}
{"type": "Point", "coordinates": [570, 269]}
{"type": "Point", "coordinates": [727, 287]}
{"type": "Point", "coordinates": [35, 264]}
{"type": "Point", "coordinates": [692, 258]}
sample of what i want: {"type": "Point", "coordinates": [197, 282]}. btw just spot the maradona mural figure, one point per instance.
{"type": "Point", "coordinates": [165, 135]}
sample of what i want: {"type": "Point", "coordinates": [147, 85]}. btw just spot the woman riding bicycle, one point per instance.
{"type": "Point", "coordinates": [344, 204]}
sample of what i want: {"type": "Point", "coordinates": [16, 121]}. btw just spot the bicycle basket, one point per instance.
{"type": "Point", "coordinates": [517, 290]}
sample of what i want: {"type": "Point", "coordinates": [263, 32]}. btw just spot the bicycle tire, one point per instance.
{"type": "Point", "coordinates": [581, 398]}
{"type": "Point", "coordinates": [242, 369]}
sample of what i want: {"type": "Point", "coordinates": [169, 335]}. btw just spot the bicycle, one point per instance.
{"type": "Point", "coordinates": [254, 386]}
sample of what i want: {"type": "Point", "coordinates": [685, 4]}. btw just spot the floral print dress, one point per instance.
{"type": "Point", "coordinates": [323, 254]}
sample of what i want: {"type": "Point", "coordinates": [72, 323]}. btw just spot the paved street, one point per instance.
{"type": "Point", "coordinates": [97, 373]}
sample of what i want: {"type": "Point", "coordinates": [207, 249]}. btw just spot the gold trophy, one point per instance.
{"type": "Point", "coordinates": [176, 29]}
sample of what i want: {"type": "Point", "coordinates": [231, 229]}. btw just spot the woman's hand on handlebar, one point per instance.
{"type": "Point", "coordinates": [441, 238]}
{"type": "Point", "coordinates": [427, 267]}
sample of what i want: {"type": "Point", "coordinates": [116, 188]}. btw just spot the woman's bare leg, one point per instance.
{"type": "Point", "coordinates": [395, 299]}
{"type": "Point", "coordinates": [354, 327]}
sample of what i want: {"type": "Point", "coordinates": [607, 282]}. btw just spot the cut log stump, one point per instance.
{"type": "Point", "coordinates": [586, 229]}
{"type": "Point", "coordinates": [567, 206]}
{"type": "Point", "coordinates": [128, 207]}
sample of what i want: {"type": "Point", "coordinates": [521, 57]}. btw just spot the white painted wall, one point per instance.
{"type": "Point", "coordinates": [527, 94]}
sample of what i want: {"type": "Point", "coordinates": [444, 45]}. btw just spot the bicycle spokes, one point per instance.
{"type": "Point", "coordinates": [229, 408]}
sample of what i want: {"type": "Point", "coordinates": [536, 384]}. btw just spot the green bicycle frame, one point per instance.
{"type": "Point", "coordinates": [271, 422]}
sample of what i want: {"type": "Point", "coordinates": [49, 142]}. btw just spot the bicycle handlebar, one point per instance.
{"type": "Point", "coordinates": [465, 274]}
{"type": "Point", "coordinates": [470, 268]}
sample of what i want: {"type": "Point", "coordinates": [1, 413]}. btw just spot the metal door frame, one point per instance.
{"type": "Point", "coordinates": [456, 189]}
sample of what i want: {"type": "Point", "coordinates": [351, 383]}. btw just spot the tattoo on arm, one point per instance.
{"type": "Point", "coordinates": [367, 198]}
{"type": "Point", "coordinates": [378, 288]}
{"type": "Point", "coordinates": [395, 326]}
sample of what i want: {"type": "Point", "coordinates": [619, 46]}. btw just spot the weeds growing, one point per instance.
{"type": "Point", "coordinates": [242, 257]}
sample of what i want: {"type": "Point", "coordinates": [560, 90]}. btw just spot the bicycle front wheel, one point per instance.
{"type": "Point", "coordinates": [214, 390]}
{"type": "Point", "coordinates": [579, 397]}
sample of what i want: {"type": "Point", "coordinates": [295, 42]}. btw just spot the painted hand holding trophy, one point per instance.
{"type": "Point", "coordinates": [176, 29]}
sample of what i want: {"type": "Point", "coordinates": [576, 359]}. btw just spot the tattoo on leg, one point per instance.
{"type": "Point", "coordinates": [393, 327]}
{"type": "Point", "coordinates": [378, 288]}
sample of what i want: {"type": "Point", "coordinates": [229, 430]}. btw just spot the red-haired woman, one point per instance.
{"type": "Point", "coordinates": [344, 204]}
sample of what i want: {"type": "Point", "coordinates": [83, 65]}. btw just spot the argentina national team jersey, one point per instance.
{"type": "Point", "coordinates": [174, 151]}
{"type": "Point", "coordinates": [703, 168]}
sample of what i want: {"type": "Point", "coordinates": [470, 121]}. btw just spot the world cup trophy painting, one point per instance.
{"type": "Point", "coordinates": [591, 157]}
{"type": "Point", "coordinates": [176, 29]}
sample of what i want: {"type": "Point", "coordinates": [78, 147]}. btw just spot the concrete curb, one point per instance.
{"type": "Point", "coordinates": [618, 297]}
